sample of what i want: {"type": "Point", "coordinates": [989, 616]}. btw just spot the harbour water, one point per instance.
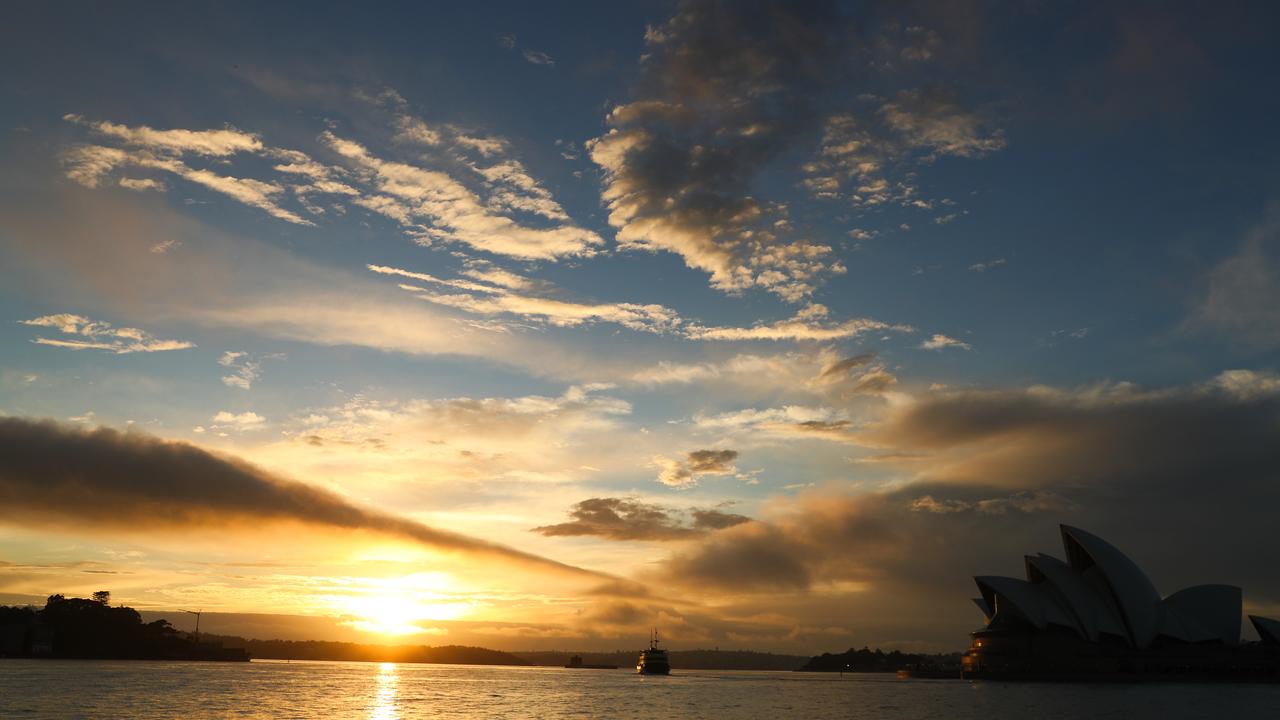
{"type": "Point", "coordinates": [68, 690]}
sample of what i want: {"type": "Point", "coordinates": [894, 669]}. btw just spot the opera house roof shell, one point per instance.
{"type": "Point", "coordinates": [1100, 595]}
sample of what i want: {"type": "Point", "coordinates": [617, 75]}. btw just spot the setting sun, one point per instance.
{"type": "Point", "coordinates": [400, 606]}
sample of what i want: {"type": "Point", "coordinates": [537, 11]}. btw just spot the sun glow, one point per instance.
{"type": "Point", "coordinates": [402, 606]}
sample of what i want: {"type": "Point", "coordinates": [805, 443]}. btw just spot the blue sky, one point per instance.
{"type": "Point", "coordinates": [564, 277]}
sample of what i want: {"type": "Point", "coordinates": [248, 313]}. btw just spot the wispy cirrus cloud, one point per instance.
{"type": "Point", "coordinates": [792, 421]}
{"type": "Point", "coordinates": [212, 143]}
{"type": "Point", "coordinates": [103, 258]}
{"type": "Point", "coordinates": [482, 298]}
{"type": "Point", "coordinates": [807, 324]}
{"type": "Point", "coordinates": [88, 164]}
{"type": "Point", "coordinates": [244, 368]}
{"type": "Point", "coordinates": [815, 372]}
{"type": "Point", "coordinates": [97, 335]}
{"type": "Point", "coordinates": [476, 194]}
{"type": "Point", "coordinates": [500, 298]}
{"type": "Point", "coordinates": [452, 212]}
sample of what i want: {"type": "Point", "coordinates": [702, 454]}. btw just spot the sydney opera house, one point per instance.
{"type": "Point", "coordinates": [1098, 615]}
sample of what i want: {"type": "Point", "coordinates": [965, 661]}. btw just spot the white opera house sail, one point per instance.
{"type": "Point", "coordinates": [1098, 614]}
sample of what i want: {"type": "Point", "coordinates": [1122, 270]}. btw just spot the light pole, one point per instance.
{"type": "Point", "coordinates": [197, 614]}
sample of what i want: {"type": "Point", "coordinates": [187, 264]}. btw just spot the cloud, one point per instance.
{"type": "Point", "coordinates": [459, 450]}
{"type": "Point", "coordinates": [534, 57]}
{"type": "Point", "coordinates": [460, 199]}
{"type": "Point", "coordinates": [245, 370]}
{"type": "Point", "coordinates": [933, 120]}
{"type": "Point", "coordinates": [142, 184]}
{"type": "Point", "coordinates": [498, 299]}
{"type": "Point", "coordinates": [239, 421]}
{"type": "Point", "coordinates": [212, 143]}
{"type": "Point", "coordinates": [254, 193]}
{"type": "Point", "coordinates": [843, 366]}
{"type": "Point", "coordinates": [805, 325]}
{"type": "Point", "coordinates": [135, 482]}
{"type": "Point", "coordinates": [101, 336]}
{"type": "Point", "coordinates": [102, 258]}
{"type": "Point", "coordinates": [1001, 468]}
{"type": "Point", "coordinates": [985, 266]}
{"type": "Point", "coordinates": [940, 342]}
{"type": "Point", "coordinates": [409, 194]}
{"type": "Point", "coordinates": [792, 422]}
{"type": "Point", "coordinates": [1024, 501]}
{"type": "Point", "coordinates": [923, 43]}
{"type": "Point", "coordinates": [538, 58]}
{"type": "Point", "coordinates": [629, 519]}
{"type": "Point", "coordinates": [684, 472]}
{"type": "Point", "coordinates": [811, 372]}
{"type": "Point", "coordinates": [163, 246]}
{"type": "Point", "coordinates": [871, 154]}
{"type": "Point", "coordinates": [726, 89]}
{"type": "Point", "coordinates": [1242, 296]}
{"type": "Point", "coordinates": [514, 190]}
{"type": "Point", "coordinates": [485, 146]}
{"type": "Point", "coordinates": [88, 164]}
{"type": "Point", "coordinates": [414, 130]}
{"type": "Point", "coordinates": [485, 299]}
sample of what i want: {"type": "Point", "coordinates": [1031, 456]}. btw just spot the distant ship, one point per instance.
{"type": "Point", "coordinates": [654, 660]}
{"type": "Point", "coordinates": [575, 663]}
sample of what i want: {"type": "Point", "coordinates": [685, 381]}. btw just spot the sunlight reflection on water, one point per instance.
{"type": "Point", "coordinates": [384, 704]}
{"type": "Point", "coordinates": [51, 689]}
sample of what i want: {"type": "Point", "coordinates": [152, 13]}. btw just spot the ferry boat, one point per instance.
{"type": "Point", "coordinates": [654, 660]}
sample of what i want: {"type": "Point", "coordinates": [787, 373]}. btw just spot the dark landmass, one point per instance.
{"type": "Point", "coordinates": [325, 650]}
{"type": "Point", "coordinates": [680, 659]}
{"type": "Point", "coordinates": [867, 660]}
{"type": "Point", "coordinates": [91, 629]}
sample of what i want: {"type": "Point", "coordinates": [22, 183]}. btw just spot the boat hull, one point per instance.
{"type": "Point", "coordinates": [651, 663]}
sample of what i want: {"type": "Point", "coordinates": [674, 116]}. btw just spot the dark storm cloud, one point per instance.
{"type": "Point", "coordinates": [1186, 480]}
{"type": "Point", "coordinates": [627, 519]}
{"type": "Point", "coordinates": [50, 473]}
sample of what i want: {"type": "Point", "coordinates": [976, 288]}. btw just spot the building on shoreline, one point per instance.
{"type": "Point", "coordinates": [1097, 616]}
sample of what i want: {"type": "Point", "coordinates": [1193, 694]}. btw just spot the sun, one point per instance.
{"type": "Point", "coordinates": [388, 615]}
{"type": "Point", "coordinates": [401, 606]}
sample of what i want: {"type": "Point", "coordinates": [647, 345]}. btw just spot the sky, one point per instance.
{"type": "Point", "coordinates": [540, 325]}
